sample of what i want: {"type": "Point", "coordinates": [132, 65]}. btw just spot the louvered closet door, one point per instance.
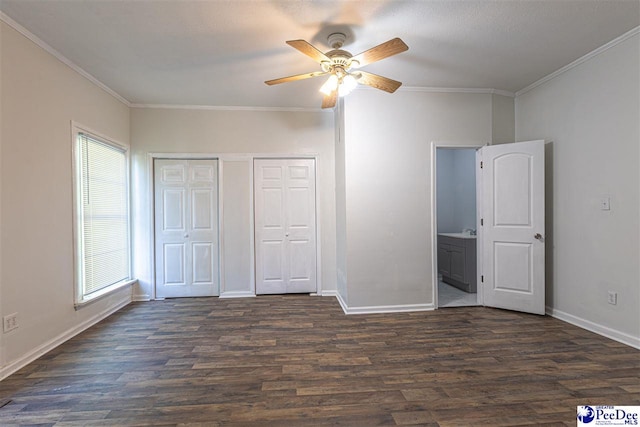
{"type": "Point", "coordinates": [285, 226]}
{"type": "Point", "coordinates": [186, 228]}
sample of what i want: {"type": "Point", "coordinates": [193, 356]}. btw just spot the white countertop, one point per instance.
{"type": "Point", "coordinates": [458, 235]}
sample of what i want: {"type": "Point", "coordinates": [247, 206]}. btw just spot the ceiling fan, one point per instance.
{"type": "Point", "coordinates": [339, 65]}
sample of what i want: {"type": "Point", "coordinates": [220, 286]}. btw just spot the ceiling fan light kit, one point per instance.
{"type": "Point", "coordinates": [338, 65]}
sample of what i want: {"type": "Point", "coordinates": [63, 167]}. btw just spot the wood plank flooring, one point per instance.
{"type": "Point", "coordinates": [299, 361]}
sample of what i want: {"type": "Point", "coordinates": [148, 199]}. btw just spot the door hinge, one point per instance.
{"type": "Point", "coordinates": [481, 279]}
{"type": "Point", "coordinates": [481, 221]}
{"type": "Point", "coordinates": [481, 164]}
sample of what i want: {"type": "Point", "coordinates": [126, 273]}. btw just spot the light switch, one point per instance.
{"type": "Point", "coordinates": [605, 204]}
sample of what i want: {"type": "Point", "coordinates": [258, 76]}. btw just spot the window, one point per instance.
{"type": "Point", "coordinates": [101, 216]}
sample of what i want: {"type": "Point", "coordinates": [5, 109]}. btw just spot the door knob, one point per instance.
{"type": "Point", "coordinates": [538, 236]}
{"type": "Point", "coordinates": [186, 235]}
{"type": "Point", "coordinates": [286, 234]}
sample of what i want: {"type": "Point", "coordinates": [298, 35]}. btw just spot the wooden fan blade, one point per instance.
{"type": "Point", "coordinates": [329, 101]}
{"type": "Point", "coordinates": [296, 77]}
{"type": "Point", "coordinates": [384, 50]}
{"type": "Point", "coordinates": [308, 49]}
{"type": "Point", "coordinates": [379, 82]}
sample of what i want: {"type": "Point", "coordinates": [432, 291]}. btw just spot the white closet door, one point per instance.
{"type": "Point", "coordinates": [186, 228]}
{"type": "Point", "coordinates": [285, 225]}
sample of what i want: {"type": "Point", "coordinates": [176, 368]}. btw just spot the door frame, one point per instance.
{"type": "Point", "coordinates": [221, 158]}
{"type": "Point", "coordinates": [276, 156]}
{"type": "Point", "coordinates": [434, 215]}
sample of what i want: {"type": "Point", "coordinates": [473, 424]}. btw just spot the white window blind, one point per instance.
{"type": "Point", "coordinates": [104, 215]}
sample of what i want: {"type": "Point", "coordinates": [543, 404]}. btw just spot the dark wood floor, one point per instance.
{"type": "Point", "coordinates": [299, 361]}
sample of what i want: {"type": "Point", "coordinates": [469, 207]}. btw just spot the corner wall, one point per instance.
{"type": "Point", "coordinates": [40, 98]}
{"type": "Point", "coordinates": [387, 210]}
{"type": "Point", "coordinates": [590, 114]}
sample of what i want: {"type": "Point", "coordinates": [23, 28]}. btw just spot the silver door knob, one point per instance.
{"type": "Point", "coordinates": [286, 234]}
{"type": "Point", "coordinates": [538, 236]}
{"type": "Point", "coordinates": [186, 235]}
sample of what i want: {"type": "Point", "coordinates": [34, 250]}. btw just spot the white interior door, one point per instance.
{"type": "Point", "coordinates": [512, 229]}
{"type": "Point", "coordinates": [186, 227]}
{"type": "Point", "coordinates": [285, 225]}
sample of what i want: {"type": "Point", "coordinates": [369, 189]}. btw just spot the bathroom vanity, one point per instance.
{"type": "Point", "coordinates": [457, 260]}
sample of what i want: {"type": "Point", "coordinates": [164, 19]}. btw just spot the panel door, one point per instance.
{"type": "Point", "coordinates": [513, 232]}
{"type": "Point", "coordinates": [186, 227]}
{"type": "Point", "coordinates": [285, 226]}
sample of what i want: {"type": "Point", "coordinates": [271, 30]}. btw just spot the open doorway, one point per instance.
{"type": "Point", "coordinates": [455, 225]}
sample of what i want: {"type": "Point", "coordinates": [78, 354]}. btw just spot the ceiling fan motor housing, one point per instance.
{"type": "Point", "coordinates": [336, 40]}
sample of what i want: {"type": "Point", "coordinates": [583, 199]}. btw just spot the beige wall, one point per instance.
{"type": "Point", "coordinates": [40, 98]}
{"type": "Point", "coordinates": [503, 122]}
{"type": "Point", "coordinates": [234, 136]}
{"type": "Point", "coordinates": [387, 163]}
{"type": "Point", "coordinates": [589, 115]}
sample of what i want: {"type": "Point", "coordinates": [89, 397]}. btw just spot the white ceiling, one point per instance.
{"type": "Point", "coordinates": [220, 52]}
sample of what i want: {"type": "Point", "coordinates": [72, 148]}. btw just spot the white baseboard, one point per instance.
{"type": "Point", "coordinates": [141, 297]}
{"type": "Point", "coordinates": [605, 331]}
{"type": "Point", "coordinates": [23, 361]}
{"type": "Point", "coordinates": [329, 293]}
{"type": "Point", "coordinates": [342, 303]}
{"type": "Point", "coordinates": [375, 309]}
{"type": "Point", "coordinates": [237, 294]}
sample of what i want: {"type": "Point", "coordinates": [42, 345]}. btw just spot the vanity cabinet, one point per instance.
{"type": "Point", "coordinates": [457, 260]}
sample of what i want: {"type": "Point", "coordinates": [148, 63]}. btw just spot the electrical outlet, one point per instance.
{"type": "Point", "coordinates": [10, 322]}
{"type": "Point", "coordinates": [612, 298]}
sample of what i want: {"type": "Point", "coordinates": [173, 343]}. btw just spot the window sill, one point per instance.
{"type": "Point", "coordinates": [98, 295]}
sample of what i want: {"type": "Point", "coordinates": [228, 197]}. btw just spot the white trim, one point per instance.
{"type": "Point", "coordinates": [479, 230]}
{"type": "Point", "coordinates": [231, 108]}
{"type": "Point", "coordinates": [377, 309]}
{"type": "Point", "coordinates": [580, 60]}
{"type": "Point", "coordinates": [237, 294]}
{"type": "Point", "coordinates": [152, 224]}
{"type": "Point", "coordinates": [24, 360]}
{"type": "Point", "coordinates": [329, 293]}
{"type": "Point", "coordinates": [434, 225]}
{"type": "Point", "coordinates": [60, 57]}
{"type": "Point", "coordinates": [488, 91]}
{"type": "Point", "coordinates": [141, 298]}
{"type": "Point", "coordinates": [317, 190]}
{"type": "Point", "coordinates": [221, 278]}
{"type": "Point", "coordinates": [605, 331]}
{"type": "Point", "coordinates": [252, 227]}
{"type": "Point", "coordinates": [104, 292]}
{"type": "Point", "coordinates": [342, 302]}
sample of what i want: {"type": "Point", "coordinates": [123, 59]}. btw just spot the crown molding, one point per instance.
{"type": "Point", "coordinates": [60, 57]}
{"type": "Point", "coordinates": [489, 91]}
{"type": "Point", "coordinates": [581, 60]}
{"type": "Point", "coordinates": [231, 108]}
